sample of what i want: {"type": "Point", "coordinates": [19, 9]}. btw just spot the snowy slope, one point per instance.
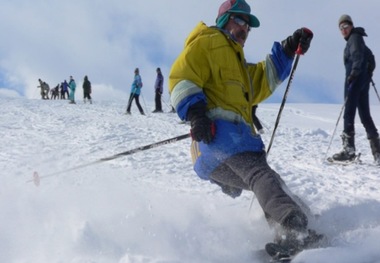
{"type": "Point", "coordinates": [150, 207]}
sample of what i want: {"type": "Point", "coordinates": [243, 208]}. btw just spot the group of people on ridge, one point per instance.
{"type": "Point", "coordinates": [214, 88]}
{"type": "Point", "coordinates": [61, 90]}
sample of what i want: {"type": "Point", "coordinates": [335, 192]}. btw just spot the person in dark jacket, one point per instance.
{"type": "Point", "coordinates": [86, 90]}
{"type": "Point", "coordinates": [359, 63]}
{"type": "Point", "coordinates": [54, 92]}
{"type": "Point", "coordinates": [44, 89]}
{"type": "Point", "coordinates": [158, 89]}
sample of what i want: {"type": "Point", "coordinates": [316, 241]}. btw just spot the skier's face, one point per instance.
{"type": "Point", "coordinates": [238, 27]}
{"type": "Point", "coordinates": [345, 29]}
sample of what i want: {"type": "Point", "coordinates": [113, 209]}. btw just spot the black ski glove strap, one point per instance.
{"type": "Point", "coordinates": [301, 37]}
{"type": "Point", "coordinates": [202, 127]}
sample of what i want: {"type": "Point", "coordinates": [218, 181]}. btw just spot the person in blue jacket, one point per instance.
{"type": "Point", "coordinates": [359, 63]}
{"type": "Point", "coordinates": [64, 90]}
{"type": "Point", "coordinates": [135, 92]}
{"type": "Point", "coordinates": [72, 87]}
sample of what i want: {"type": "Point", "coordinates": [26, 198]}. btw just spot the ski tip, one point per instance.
{"type": "Point", "coordinates": [36, 179]}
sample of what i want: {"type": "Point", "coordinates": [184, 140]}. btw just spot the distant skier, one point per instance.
{"type": "Point", "coordinates": [158, 89]}
{"type": "Point", "coordinates": [72, 87]}
{"type": "Point", "coordinates": [54, 92]}
{"type": "Point", "coordinates": [87, 90]}
{"type": "Point", "coordinates": [44, 89]}
{"type": "Point", "coordinates": [135, 93]}
{"type": "Point", "coordinates": [64, 90]}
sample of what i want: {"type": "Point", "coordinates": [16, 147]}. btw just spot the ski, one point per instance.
{"type": "Point", "coordinates": [355, 160]}
{"type": "Point", "coordinates": [184, 122]}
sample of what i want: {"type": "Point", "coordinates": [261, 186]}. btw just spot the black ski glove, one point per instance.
{"type": "Point", "coordinates": [351, 78]}
{"type": "Point", "coordinates": [301, 37]}
{"type": "Point", "coordinates": [202, 127]}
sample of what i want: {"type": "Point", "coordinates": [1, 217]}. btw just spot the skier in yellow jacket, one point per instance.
{"type": "Point", "coordinates": [213, 87]}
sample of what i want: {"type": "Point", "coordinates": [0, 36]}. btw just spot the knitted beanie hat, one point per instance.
{"type": "Point", "coordinates": [345, 19]}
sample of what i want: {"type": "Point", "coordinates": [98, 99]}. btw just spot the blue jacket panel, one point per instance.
{"type": "Point", "coordinates": [72, 85]}
{"type": "Point", "coordinates": [230, 139]}
{"type": "Point", "coordinates": [136, 85]}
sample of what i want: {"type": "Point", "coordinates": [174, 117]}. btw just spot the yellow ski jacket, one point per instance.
{"type": "Point", "coordinates": [212, 63]}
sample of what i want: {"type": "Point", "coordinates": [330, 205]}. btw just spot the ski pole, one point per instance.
{"type": "Point", "coordinates": [131, 96]}
{"type": "Point", "coordinates": [142, 96]}
{"type": "Point", "coordinates": [283, 102]}
{"type": "Point", "coordinates": [373, 84]}
{"type": "Point", "coordinates": [167, 105]}
{"type": "Point", "coordinates": [36, 178]}
{"type": "Point", "coordinates": [298, 54]}
{"type": "Point", "coordinates": [336, 125]}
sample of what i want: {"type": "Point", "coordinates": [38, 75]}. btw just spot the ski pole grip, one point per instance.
{"type": "Point", "coordinates": [307, 34]}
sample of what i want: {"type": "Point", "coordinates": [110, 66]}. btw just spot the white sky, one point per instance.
{"type": "Point", "coordinates": [106, 40]}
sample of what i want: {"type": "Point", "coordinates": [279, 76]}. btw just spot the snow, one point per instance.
{"type": "Point", "coordinates": [150, 207]}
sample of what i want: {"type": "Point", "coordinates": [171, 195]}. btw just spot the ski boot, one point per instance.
{"type": "Point", "coordinates": [292, 237]}
{"type": "Point", "coordinates": [348, 151]}
{"type": "Point", "coordinates": [289, 243]}
{"type": "Point", "coordinates": [375, 148]}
